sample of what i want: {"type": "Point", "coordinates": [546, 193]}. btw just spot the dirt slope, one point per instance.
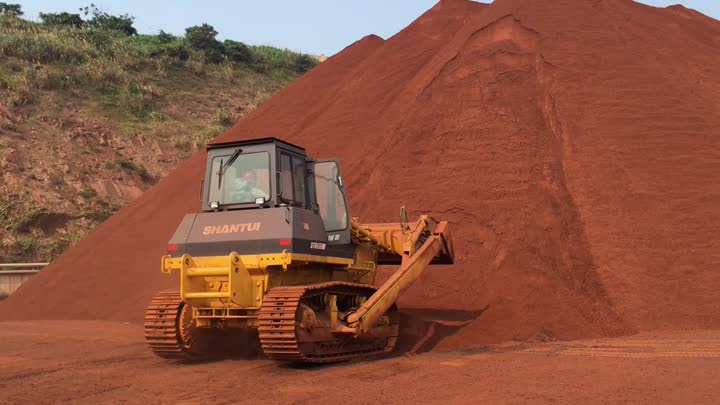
{"type": "Point", "coordinates": [574, 147]}
{"type": "Point", "coordinates": [89, 120]}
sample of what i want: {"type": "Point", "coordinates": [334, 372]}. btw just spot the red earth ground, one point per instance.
{"type": "Point", "coordinates": [108, 362]}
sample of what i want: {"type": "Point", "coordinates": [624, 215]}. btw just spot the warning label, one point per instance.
{"type": "Point", "coordinates": [317, 245]}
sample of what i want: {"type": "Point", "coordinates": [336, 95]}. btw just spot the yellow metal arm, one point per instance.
{"type": "Point", "coordinates": [382, 300]}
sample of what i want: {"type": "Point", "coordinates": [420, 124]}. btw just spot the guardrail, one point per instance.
{"type": "Point", "coordinates": [12, 275]}
{"type": "Point", "coordinates": [22, 268]}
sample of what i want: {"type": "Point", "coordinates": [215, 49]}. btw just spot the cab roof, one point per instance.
{"type": "Point", "coordinates": [257, 141]}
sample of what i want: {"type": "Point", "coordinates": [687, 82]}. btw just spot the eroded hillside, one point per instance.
{"type": "Point", "coordinates": [90, 118]}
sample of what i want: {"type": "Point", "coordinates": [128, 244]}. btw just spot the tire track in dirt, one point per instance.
{"type": "Point", "coordinates": [633, 349]}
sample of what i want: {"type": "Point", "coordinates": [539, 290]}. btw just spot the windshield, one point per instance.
{"type": "Point", "coordinates": [246, 179]}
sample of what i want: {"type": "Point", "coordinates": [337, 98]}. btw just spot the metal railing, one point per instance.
{"type": "Point", "coordinates": [21, 268]}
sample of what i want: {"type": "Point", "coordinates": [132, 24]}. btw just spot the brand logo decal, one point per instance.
{"type": "Point", "coordinates": [317, 245]}
{"type": "Point", "coordinates": [333, 237]}
{"type": "Point", "coordinates": [233, 228]}
{"type": "Point", "coordinates": [306, 226]}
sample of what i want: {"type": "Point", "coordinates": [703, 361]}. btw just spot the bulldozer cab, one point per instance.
{"type": "Point", "coordinates": [270, 173]}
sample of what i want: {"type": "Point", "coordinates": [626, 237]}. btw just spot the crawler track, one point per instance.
{"type": "Point", "coordinates": [283, 337]}
{"type": "Point", "coordinates": [166, 331]}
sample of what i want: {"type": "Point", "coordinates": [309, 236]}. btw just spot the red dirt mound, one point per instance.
{"type": "Point", "coordinates": [574, 146]}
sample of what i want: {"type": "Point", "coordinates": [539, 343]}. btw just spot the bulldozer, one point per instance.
{"type": "Point", "coordinates": [275, 251]}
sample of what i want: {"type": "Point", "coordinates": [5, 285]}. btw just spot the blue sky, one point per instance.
{"type": "Point", "coordinates": [316, 27]}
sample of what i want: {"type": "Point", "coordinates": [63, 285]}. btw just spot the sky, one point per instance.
{"type": "Point", "coordinates": [316, 27]}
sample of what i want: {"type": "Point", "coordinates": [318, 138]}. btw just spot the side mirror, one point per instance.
{"type": "Point", "coordinates": [404, 219]}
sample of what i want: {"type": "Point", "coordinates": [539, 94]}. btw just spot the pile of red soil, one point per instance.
{"type": "Point", "coordinates": [574, 145]}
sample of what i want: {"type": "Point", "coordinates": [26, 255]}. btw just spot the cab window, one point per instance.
{"type": "Point", "coordinates": [330, 197]}
{"type": "Point", "coordinates": [243, 181]}
{"type": "Point", "coordinates": [292, 179]}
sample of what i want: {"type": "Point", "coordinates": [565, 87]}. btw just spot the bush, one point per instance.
{"type": "Point", "coordinates": [52, 249]}
{"type": "Point", "coordinates": [14, 10]}
{"type": "Point", "coordinates": [27, 249]}
{"type": "Point", "coordinates": [215, 55]}
{"type": "Point", "coordinates": [133, 167]}
{"type": "Point", "coordinates": [22, 249]}
{"type": "Point", "coordinates": [62, 19]}
{"type": "Point", "coordinates": [88, 193]}
{"type": "Point", "coordinates": [98, 215]}
{"type": "Point", "coordinates": [158, 46]}
{"type": "Point", "coordinates": [115, 23]}
{"type": "Point", "coordinates": [100, 19]}
{"type": "Point", "coordinates": [166, 38]}
{"type": "Point", "coordinates": [237, 51]}
{"type": "Point", "coordinates": [202, 37]}
{"type": "Point", "coordinates": [303, 63]}
{"type": "Point", "coordinates": [270, 58]}
{"type": "Point", "coordinates": [177, 50]}
{"type": "Point", "coordinates": [102, 39]}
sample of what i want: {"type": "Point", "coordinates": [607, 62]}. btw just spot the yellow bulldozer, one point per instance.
{"type": "Point", "coordinates": [274, 251]}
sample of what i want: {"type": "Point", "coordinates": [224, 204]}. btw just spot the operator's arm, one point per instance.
{"type": "Point", "coordinates": [257, 193]}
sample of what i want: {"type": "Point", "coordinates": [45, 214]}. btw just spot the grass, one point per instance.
{"type": "Point", "coordinates": [24, 247]}
{"type": "Point", "coordinates": [28, 248]}
{"type": "Point", "coordinates": [6, 220]}
{"type": "Point", "coordinates": [19, 212]}
{"type": "Point", "coordinates": [136, 168]}
{"type": "Point", "coordinates": [30, 215]}
{"type": "Point", "coordinates": [136, 99]}
{"type": "Point", "coordinates": [109, 62]}
{"type": "Point", "coordinates": [198, 139]}
{"type": "Point", "coordinates": [88, 193]}
{"type": "Point", "coordinates": [98, 215]}
{"type": "Point", "coordinates": [281, 60]}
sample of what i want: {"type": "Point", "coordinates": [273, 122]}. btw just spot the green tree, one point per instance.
{"type": "Point", "coordinates": [237, 51]}
{"type": "Point", "coordinates": [11, 9]}
{"type": "Point", "coordinates": [165, 38]}
{"type": "Point", "coordinates": [303, 63]}
{"type": "Point", "coordinates": [202, 38]}
{"type": "Point", "coordinates": [103, 20]}
{"type": "Point", "coordinates": [64, 19]}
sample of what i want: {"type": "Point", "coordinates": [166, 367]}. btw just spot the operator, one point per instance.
{"type": "Point", "coordinates": [246, 189]}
